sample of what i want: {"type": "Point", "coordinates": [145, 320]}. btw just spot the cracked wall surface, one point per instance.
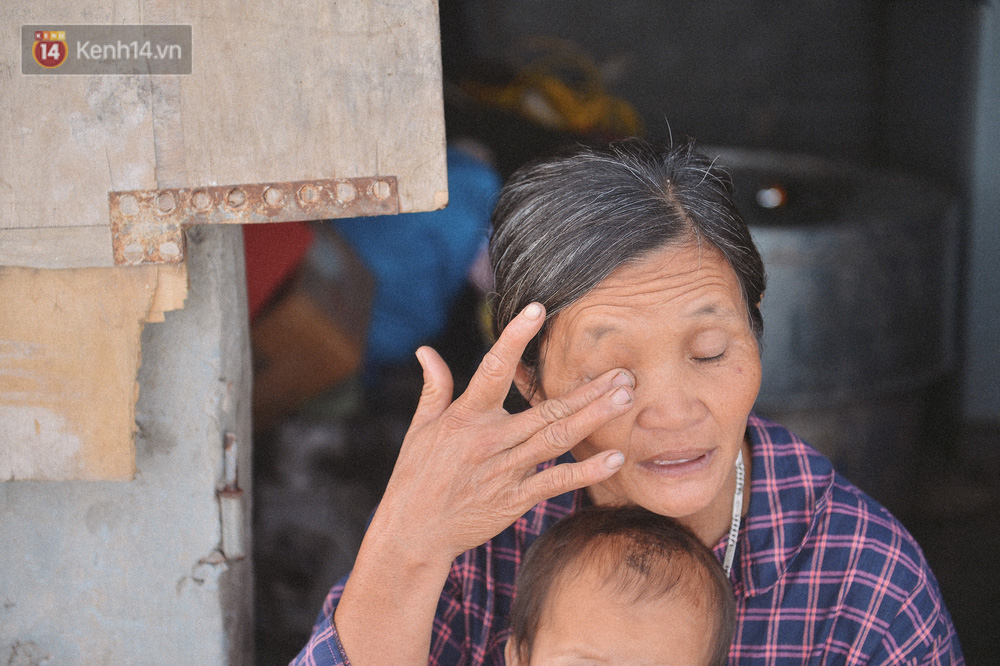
{"type": "Point", "coordinates": [132, 572]}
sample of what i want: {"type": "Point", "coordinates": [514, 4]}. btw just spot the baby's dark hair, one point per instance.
{"type": "Point", "coordinates": [641, 556]}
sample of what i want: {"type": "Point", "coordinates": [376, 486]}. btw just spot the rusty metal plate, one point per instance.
{"type": "Point", "coordinates": [147, 225]}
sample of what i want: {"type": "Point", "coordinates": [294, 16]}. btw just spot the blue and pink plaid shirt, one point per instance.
{"type": "Point", "coordinates": [824, 575]}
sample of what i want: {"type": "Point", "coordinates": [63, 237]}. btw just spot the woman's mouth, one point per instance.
{"type": "Point", "coordinates": [678, 463]}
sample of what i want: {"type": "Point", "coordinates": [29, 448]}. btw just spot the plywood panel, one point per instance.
{"type": "Point", "coordinates": [67, 140]}
{"type": "Point", "coordinates": [294, 90]}
{"type": "Point", "coordinates": [69, 353]}
{"type": "Point", "coordinates": [57, 247]}
{"type": "Point", "coordinates": [281, 90]}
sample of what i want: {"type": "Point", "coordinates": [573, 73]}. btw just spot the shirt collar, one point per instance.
{"type": "Point", "coordinates": [790, 482]}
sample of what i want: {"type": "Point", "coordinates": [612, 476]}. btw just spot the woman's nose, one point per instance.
{"type": "Point", "coordinates": [668, 401]}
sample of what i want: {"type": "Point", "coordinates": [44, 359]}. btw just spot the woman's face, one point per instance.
{"type": "Point", "coordinates": [677, 322]}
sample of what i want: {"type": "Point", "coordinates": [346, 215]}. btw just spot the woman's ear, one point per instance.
{"type": "Point", "coordinates": [523, 381]}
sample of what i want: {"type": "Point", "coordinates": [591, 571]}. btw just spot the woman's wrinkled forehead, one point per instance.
{"type": "Point", "coordinates": [693, 284]}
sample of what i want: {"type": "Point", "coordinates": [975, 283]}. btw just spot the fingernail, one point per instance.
{"type": "Point", "coordinates": [621, 397]}
{"type": "Point", "coordinates": [622, 379]}
{"type": "Point", "coordinates": [615, 460]}
{"type": "Point", "coordinates": [533, 311]}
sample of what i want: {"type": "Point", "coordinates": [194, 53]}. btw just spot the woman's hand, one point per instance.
{"type": "Point", "coordinates": [466, 471]}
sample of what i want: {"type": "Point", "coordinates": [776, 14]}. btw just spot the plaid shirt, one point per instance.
{"type": "Point", "coordinates": [824, 575]}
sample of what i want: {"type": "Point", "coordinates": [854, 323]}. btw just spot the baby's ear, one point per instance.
{"type": "Point", "coordinates": [510, 654]}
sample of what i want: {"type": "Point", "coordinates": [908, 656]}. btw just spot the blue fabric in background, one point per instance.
{"type": "Point", "coordinates": [420, 260]}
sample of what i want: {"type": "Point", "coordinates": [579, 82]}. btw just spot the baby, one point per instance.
{"type": "Point", "coordinates": [620, 585]}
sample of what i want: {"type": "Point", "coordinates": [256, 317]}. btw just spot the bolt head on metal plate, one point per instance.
{"type": "Point", "coordinates": [147, 225]}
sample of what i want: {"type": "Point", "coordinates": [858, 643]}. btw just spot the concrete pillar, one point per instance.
{"type": "Point", "coordinates": [132, 572]}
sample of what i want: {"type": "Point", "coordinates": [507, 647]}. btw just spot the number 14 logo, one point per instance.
{"type": "Point", "coordinates": [49, 48]}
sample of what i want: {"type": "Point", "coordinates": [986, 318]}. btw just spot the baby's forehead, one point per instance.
{"type": "Point", "coordinates": [633, 577]}
{"type": "Point", "coordinates": [588, 619]}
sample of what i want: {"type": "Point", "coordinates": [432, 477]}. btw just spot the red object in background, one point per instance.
{"type": "Point", "coordinates": [273, 253]}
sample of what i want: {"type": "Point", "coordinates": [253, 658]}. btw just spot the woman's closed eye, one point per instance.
{"type": "Point", "coordinates": [709, 346]}
{"type": "Point", "coordinates": [711, 358]}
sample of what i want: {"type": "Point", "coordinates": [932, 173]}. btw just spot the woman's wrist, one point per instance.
{"type": "Point", "coordinates": [397, 552]}
{"type": "Point", "coordinates": [405, 544]}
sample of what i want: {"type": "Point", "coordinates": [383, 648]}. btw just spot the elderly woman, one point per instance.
{"type": "Point", "coordinates": [628, 294]}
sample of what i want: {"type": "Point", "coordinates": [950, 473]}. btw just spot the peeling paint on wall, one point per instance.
{"type": "Point", "coordinates": [28, 429]}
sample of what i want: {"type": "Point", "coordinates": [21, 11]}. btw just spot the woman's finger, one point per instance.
{"type": "Point", "coordinates": [491, 383]}
{"type": "Point", "coordinates": [552, 410]}
{"type": "Point", "coordinates": [438, 387]}
{"type": "Point", "coordinates": [565, 477]}
{"type": "Point", "coordinates": [560, 436]}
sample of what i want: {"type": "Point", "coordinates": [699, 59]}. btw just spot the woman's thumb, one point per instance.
{"type": "Point", "coordinates": [436, 394]}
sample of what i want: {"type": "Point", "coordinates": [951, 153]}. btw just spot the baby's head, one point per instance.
{"type": "Point", "coordinates": [620, 585]}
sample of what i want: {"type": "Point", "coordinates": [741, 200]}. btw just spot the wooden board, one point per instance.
{"type": "Point", "coordinates": [69, 354]}
{"type": "Point", "coordinates": [56, 247]}
{"type": "Point", "coordinates": [281, 90]}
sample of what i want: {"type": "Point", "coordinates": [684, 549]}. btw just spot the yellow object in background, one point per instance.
{"type": "Point", "coordinates": [562, 89]}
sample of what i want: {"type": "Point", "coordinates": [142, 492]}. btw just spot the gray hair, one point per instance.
{"type": "Point", "coordinates": [562, 225]}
